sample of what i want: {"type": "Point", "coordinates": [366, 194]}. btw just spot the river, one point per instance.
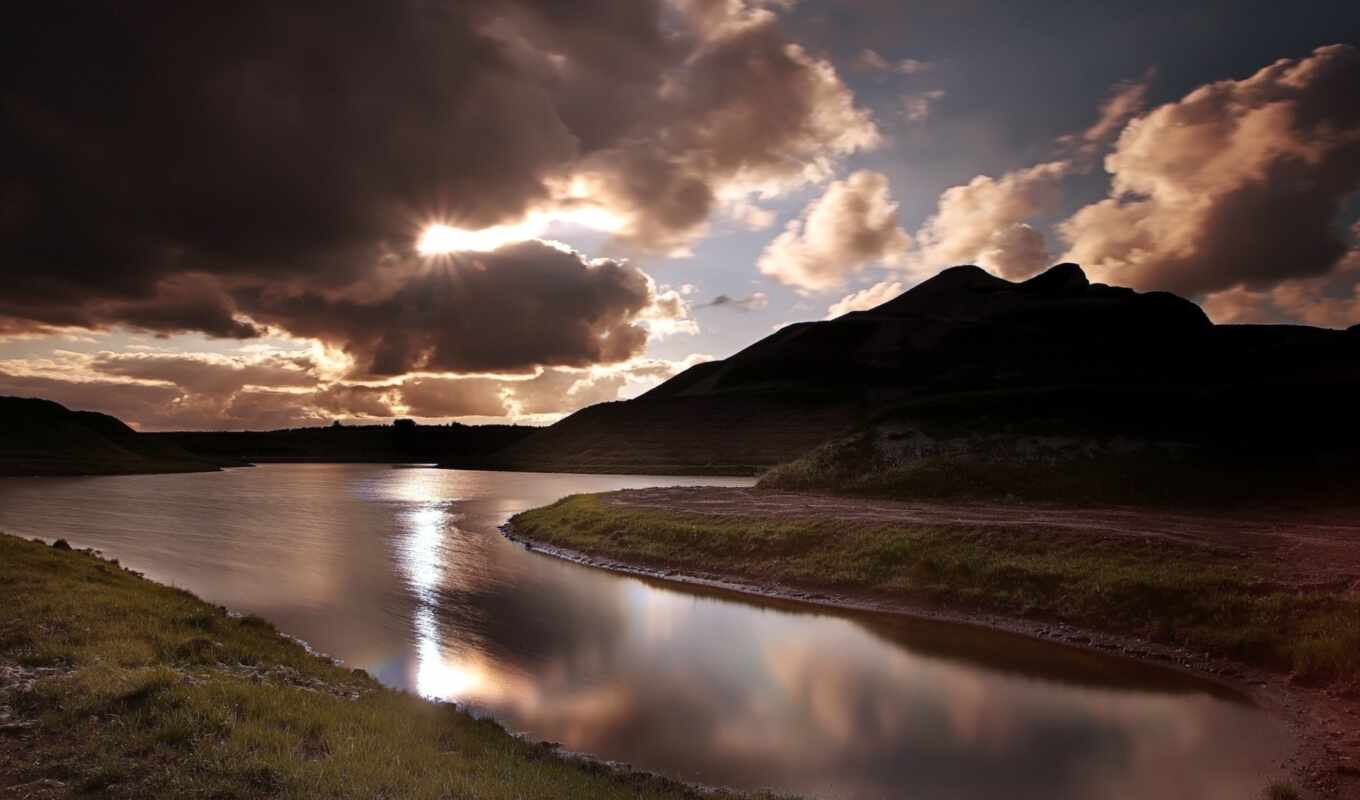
{"type": "Point", "coordinates": [401, 571]}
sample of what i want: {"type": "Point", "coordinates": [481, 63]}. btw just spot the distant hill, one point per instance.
{"type": "Point", "coordinates": [966, 334]}
{"type": "Point", "coordinates": [405, 441]}
{"type": "Point", "coordinates": [40, 437]}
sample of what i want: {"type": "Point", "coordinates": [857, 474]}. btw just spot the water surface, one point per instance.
{"type": "Point", "coordinates": [401, 571]}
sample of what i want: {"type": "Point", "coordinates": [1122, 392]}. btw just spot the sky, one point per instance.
{"type": "Point", "coordinates": [288, 214]}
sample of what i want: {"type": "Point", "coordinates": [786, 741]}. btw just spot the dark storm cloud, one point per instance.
{"type": "Point", "coordinates": [176, 169]}
{"type": "Point", "coordinates": [189, 301]}
{"type": "Point", "coordinates": [270, 141]}
{"type": "Point", "coordinates": [525, 304]}
{"type": "Point", "coordinates": [1330, 300]}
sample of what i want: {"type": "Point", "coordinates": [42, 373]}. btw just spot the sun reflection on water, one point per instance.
{"type": "Point", "coordinates": [423, 552]}
{"type": "Point", "coordinates": [436, 676]}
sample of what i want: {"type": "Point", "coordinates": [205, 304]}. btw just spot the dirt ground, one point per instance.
{"type": "Point", "coordinates": [1311, 546]}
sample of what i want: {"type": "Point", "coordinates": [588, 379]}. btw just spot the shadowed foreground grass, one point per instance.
{"type": "Point", "coordinates": [136, 689]}
{"type": "Point", "coordinates": [1164, 591]}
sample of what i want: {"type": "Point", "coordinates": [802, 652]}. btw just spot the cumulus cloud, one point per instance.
{"type": "Point", "coordinates": [987, 221]}
{"type": "Point", "coordinates": [865, 299]}
{"type": "Point", "coordinates": [737, 109]}
{"type": "Point", "coordinates": [208, 373]}
{"type": "Point", "coordinates": [435, 397]}
{"type": "Point", "coordinates": [668, 312]}
{"type": "Point", "coordinates": [872, 61]}
{"type": "Point", "coordinates": [1231, 194]}
{"type": "Point", "coordinates": [984, 222]}
{"type": "Point", "coordinates": [543, 397]}
{"type": "Point", "coordinates": [750, 215]}
{"type": "Point", "coordinates": [916, 106]}
{"type": "Point", "coordinates": [1237, 186]}
{"type": "Point", "coordinates": [751, 113]}
{"type": "Point", "coordinates": [172, 390]}
{"type": "Point", "coordinates": [1330, 300]}
{"type": "Point", "coordinates": [556, 390]}
{"type": "Point", "coordinates": [853, 224]}
{"type": "Point", "coordinates": [1125, 101]}
{"type": "Point", "coordinates": [219, 178]}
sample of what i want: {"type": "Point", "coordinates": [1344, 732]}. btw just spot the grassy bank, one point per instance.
{"type": "Point", "coordinates": [1157, 589]}
{"type": "Point", "coordinates": [122, 687]}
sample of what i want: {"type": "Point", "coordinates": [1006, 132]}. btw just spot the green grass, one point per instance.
{"type": "Point", "coordinates": [1168, 592]}
{"type": "Point", "coordinates": [149, 692]}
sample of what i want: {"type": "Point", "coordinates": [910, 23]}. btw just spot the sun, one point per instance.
{"type": "Point", "coordinates": [439, 239]}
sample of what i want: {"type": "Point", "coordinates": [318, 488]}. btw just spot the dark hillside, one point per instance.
{"type": "Point", "coordinates": [962, 333]}
{"type": "Point", "coordinates": [1167, 445]}
{"type": "Point", "coordinates": [401, 442]}
{"type": "Point", "coordinates": [39, 437]}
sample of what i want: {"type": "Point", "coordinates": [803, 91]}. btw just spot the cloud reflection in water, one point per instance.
{"type": "Point", "coordinates": [401, 572]}
{"type": "Point", "coordinates": [729, 693]}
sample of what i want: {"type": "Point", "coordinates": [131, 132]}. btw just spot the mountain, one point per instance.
{"type": "Point", "coordinates": [963, 334]}
{"type": "Point", "coordinates": [40, 437]}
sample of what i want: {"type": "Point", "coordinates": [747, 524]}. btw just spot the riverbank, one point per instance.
{"type": "Point", "coordinates": [1274, 614]}
{"type": "Point", "coordinates": [115, 685]}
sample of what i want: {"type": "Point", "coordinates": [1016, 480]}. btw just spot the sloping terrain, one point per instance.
{"type": "Point", "coordinates": [39, 437]}
{"type": "Point", "coordinates": [962, 335]}
{"type": "Point", "coordinates": [1170, 445]}
{"type": "Point", "coordinates": [736, 434]}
